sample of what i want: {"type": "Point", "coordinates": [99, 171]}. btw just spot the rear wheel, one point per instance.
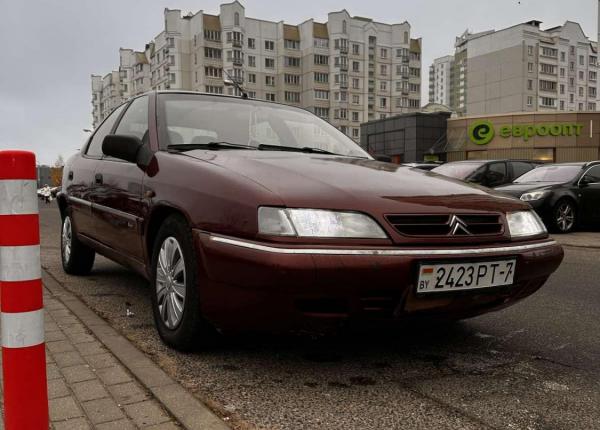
{"type": "Point", "coordinates": [77, 258]}
{"type": "Point", "coordinates": [175, 292]}
{"type": "Point", "coordinates": [564, 216]}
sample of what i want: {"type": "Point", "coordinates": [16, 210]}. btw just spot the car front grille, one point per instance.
{"type": "Point", "coordinates": [447, 225]}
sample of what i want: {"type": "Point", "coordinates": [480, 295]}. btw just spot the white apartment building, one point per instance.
{"type": "Point", "coordinates": [132, 78]}
{"type": "Point", "coordinates": [440, 74]}
{"type": "Point", "coordinates": [525, 68]}
{"type": "Point", "coordinates": [348, 70]}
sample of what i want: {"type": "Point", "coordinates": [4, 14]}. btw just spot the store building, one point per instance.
{"type": "Point", "coordinates": [408, 137]}
{"type": "Point", "coordinates": [545, 136]}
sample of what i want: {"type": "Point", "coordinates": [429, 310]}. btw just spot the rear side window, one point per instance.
{"type": "Point", "coordinates": [135, 120]}
{"type": "Point", "coordinates": [521, 167]}
{"type": "Point", "coordinates": [496, 174]}
{"type": "Point", "coordinates": [593, 175]}
{"type": "Point", "coordinates": [95, 147]}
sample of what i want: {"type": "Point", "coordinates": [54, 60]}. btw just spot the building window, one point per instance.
{"type": "Point", "coordinates": [414, 103]}
{"type": "Point", "coordinates": [252, 78]}
{"type": "Point", "coordinates": [580, 106]}
{"type": "Point", "coordinates": [321, 43]}
{"type": "Point", "coordinates": [344, 27]}
{"type": "Point", "coordinates": [383, 102]}
{"type": "Point", "coordinates": [322, 112]}
{"type": "Point", "coordinates": [580, 91]}
{"type": "Point", "coordinates": [213, 89]}
{"type": "Point", "coordinates": [355, 116]}
{"type": "Point", "coordinates": [292, 96]}
{"type": "Point", "coordinates": [291, 44]}
{"type": "Point", "coordinates": [581, 60]}
{"type": "Point", "coordinates": [291, 79]}
{"type": "Point", "coordinates": [252, 94]}
{"type": "Point", "coordinates": [548, 69]}
{"type": "Point", "coordinates": [355, 66]}
{"type": "Point", "coordinates": [547, 86]}
{"type": "Point", "coordinates": [383, 85]}
{"type": "Point", "coordinates": [592, 106]}
{"type": "Point", "coordinates": [270, 63]}
{"type": "Point", "coordinates": [547, 102]}
{"type": "Point", "coordinates": [322, 78]}
{"type": "Point", "coordinates": [322, 60]}
{"type": "Point", "coordinates": [269, 45]}
{"type": "Point", "coordinates": [355, 132]}
{"type": "Point", "coordinates": [212, 53]}
{"type": "Point", "coordinates": [562, 105]}
{"type": "Point", "coordinates": [529, 100]}
{"type": "Point", "coordinates": [321, 95]}
{"type": "Point", "coordinates": [356, 99]}
{"type": "Point", "coordinates": [530, 84]}
{"type": "Point", "coordinates": [406, 37]}
{"type": "Point", "coordinates": [383, 69]}
{"type": "Point", "coordinates": [571, 66]}
{"type": "Point", "coordinates": [270, 97]}
{"type": "Point", "coordinates": [549, 52]}
{"type": "Point", "coordinates": [212, 35]}
{"type": "Point", "coordinates": [213, 72]}
{"type": "Point", "coordinates": [356, 83]}
{"type": "Point", "coordinates": [291, 61]}
{"type": "Point", "coordinates": [236, 19]}
{"type": "Point", "coordinates": [355, 49]}
{"type": "Point", "coordinates": [383, 53]}
{"type": "Point", "coordinates": [530, 67]}
{"type": "Point", "coordinates": [571, 97]}
{"type": "Point", "coordinates": [529, 50]}
{"type": "Point", "coordinates": [171, 42]}
{"type": "Point", "coordinates": [562, 88]}
{"type": "Point", "coordinates": [562, 56]}
{"type": "Point", "coordinates": [251, 61]}
{"type": "Point", "coordinates": [593, 75]}
{"type": "Point", "coordinates": [270, 81]}
{"type": "Point", "coordinates": [562, 72]}
{"type": "Point", "coordinates": [251, 43]}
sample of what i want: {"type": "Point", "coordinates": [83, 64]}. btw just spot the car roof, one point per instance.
{"type": "Point", "coordinates": [493, 161]}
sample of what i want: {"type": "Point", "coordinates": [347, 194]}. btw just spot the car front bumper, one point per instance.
{"type": "Point", "coordinates": [247, 285]}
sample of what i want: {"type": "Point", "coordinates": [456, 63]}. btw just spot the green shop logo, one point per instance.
{"type": "Point", "coordinates": [481, 132]}
{"type": "Point", "coordinates": [526, 131]}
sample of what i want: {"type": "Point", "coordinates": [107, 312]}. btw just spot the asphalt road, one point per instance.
{"type": "Point", "coordinates": [535, 365]}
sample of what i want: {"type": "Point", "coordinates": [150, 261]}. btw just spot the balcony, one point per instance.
{"type": "Point", "coordinates": [344, 67]}
{"type": "Point", "coordinates": [237, 44]}
{"type": "Point", "coordinates": [238, 62]}
{"type": "Point", "coordinates": [343, 49]}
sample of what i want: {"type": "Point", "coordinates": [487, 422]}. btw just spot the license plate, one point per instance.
{"type": "Point", "coordinates": [465, 276]}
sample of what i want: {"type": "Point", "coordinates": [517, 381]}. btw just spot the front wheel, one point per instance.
{"type": "Point", "coordinates": [175, 295]}
{"type": "Point", "coordinates": [564, 216]}
{"type": "Point", "coordinates": [77, 258]}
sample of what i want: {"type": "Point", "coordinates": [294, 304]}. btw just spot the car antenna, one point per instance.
{"type": "Point", "coordinates": [235, 84]}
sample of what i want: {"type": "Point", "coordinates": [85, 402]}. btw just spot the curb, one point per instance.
{"type": "Point", "coordinates": [180, 403]}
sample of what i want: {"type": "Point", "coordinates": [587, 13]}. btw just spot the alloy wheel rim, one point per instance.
{"type": "Point", "coordinates": [565, 217]}
{"type": "Point", "coordinates": [170, 283]}
{"type": "Point", "coordinates": [67, 237]}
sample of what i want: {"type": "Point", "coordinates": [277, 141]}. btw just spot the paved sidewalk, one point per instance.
{"type": "Point", "coordinates": [87, 386]}
{"type": "Point", "coordinates": [98, 380]}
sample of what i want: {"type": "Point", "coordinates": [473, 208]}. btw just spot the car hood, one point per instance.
{"type": "Point", "coordinates": [516, 189]}
{"type": "Point", "coordinates": [335, 182]}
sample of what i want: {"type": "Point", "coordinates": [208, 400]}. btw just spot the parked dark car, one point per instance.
{"type": "Point", "coordinates": [565, 195]}
{"type": "Point", "coordinates": [248, 215]}
{"type": "Point", "coordinates": [489, 173]}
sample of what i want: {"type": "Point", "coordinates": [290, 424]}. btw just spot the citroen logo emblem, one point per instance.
{"type": "Point", "coordinates": [458, 227]}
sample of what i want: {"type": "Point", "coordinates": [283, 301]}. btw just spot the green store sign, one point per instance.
{"type": "Point", "coordinates": [483, 131]}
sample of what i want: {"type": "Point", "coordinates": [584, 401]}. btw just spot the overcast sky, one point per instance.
{"type": "Point", "coordinates": [50, 48]}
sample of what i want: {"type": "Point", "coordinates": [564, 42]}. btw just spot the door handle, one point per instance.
{"type": "Point", "coordinates": [99, 179]}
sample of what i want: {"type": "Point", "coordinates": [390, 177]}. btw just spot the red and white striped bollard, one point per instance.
{"type": "Point", "coordinates": [21, 306]}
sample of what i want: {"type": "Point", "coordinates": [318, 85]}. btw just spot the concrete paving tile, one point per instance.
{"type": "Point", "coordinates": [90, 348]}
{"type": "Point", "coordinates": [146, 413]}
{"type": "Point", "coordinates": [52, 371]}
{"type": "Point", "coordinates": [67, 359]}
{"type": "Point", "coordinates": [102, 410]}
{"type": "Point", "coordinates": [113, 375]}
{"type": "Point", "coordinates": [63, 345]}
{"type": "Point", "coordinates": [78, 373]}
{"type": "Point", "coordinates": [120, 425]}
{"type": "Point", "coordinates": [89, 390]}
{"type": "Point", "coordinates": [101, 361]}
{"type": "Point", "coordinates": [74, 424]}
{"type": "Point", "coordinates": [130, 392]}
{"type": "Point", "coordinates": [64, 408]}
{"type": "Point", "coordinates": [57, 388]}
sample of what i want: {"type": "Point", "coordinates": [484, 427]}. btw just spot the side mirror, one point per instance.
{"type": "Point", "coordinates": [128, 148]}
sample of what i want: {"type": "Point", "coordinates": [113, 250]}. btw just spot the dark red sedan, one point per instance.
{"type": "Point", "coordinates": [245, 214]}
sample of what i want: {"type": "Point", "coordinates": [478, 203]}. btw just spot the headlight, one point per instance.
{"type": "Point", "coordinates": [534, 195]}
{"type": "Point", "coordinates": [317, 223]}
{"type": "Point", "coordinates": [525, 223]}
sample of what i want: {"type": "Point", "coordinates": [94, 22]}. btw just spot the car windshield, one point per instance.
{"type": "Point", "coordinates": [457, 170]}
{"type": "Point", "coordinates": [550, 173]}
{"type": "Point", "coordinates": [191, 119]}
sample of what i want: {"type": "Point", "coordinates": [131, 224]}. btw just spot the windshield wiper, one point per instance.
{"type": "Point", "coordinates": [209, 145]}
{"type": "Point", "coordinates": [266, 147]}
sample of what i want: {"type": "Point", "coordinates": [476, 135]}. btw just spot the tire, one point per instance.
{"type": "Point", "coordinates": [175, 289]}
{"type": "Point", "coordinates": [77, 258]}
{"type": "Point", "coordinates": [564, 216]}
